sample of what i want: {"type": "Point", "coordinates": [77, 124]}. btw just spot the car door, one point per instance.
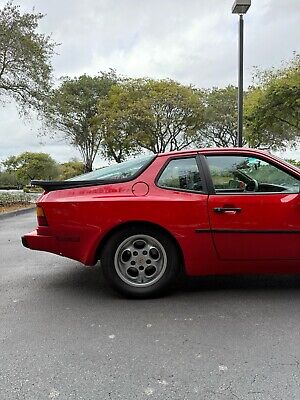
{"type": "Point", "coordinates": [183, 211]}
{"type": "Point", "coordinates": [254, 208]}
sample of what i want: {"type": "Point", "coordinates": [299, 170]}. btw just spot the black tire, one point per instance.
{"type": "Point", "coordinates": [116, 270]}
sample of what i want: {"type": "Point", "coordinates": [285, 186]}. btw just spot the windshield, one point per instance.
{"type": "Point", "coordinates": [124, 170]}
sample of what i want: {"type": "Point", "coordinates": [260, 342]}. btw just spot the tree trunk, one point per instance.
{"type": "Point", "coordinates": [88, 166]}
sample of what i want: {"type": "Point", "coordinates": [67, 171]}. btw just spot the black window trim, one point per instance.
{"type": "Point", "coordinates": [200, 169]}
{"type": "Point", "coordinates": [211, 188]}
{"type": "Point", "coordinates": [206, 173]}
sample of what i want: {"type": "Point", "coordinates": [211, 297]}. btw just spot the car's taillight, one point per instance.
{"type": "Point", "coordinates": [41, 217]}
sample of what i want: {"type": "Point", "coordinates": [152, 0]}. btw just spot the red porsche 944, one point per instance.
{"type": "Point", "coordinates": [198, 212]}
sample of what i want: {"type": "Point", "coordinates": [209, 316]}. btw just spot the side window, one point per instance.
{"type": "Point", "coordinates": [249, 174]}
{"type": "Point", "coordinates": [181, 173]}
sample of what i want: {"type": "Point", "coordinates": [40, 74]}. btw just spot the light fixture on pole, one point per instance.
{"type": "Point", "coordinates": [240, 7]}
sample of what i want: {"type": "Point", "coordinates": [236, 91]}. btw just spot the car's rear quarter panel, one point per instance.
{"type": "Point", "coordinates": [81, 218]}
{"type": "Point", "coordinates": [80, 221]}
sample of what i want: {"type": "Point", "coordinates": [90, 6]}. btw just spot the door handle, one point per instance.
{"type": "Point", "coordinates": [232, 210]}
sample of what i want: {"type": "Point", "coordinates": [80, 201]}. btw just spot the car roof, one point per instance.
{"type": "Point", "coordinates": [215, 150]}
{"type": "Point", "coordinates": [231, 150]}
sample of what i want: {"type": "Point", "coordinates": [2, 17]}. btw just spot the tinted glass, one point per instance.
{"type": "Point", "coordinates": [124, 170]}
{"type": "Point", "coordinates": [249, 174]}
{"type": "Point", "coordinates": [182, 173]}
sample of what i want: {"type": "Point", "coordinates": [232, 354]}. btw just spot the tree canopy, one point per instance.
{"type": "Point", "coordinates": [70, 169]}
{"type": "Point", "coordinates": [28, 166]}
{"type": "Point", "coordinates": [220, 122]}
{"type": "Point", "coordinates": [116, 118]}
{"type": "Point", "coordinates": [8, 180]}
{"type": "Point", "coordinates": [156, 115]}
{"type": "Point", "coordinates": [71, 109]}
{"type": "Point", "coordinates": [25, 58]}
{"type": "Point", "coordinates": [272, 107]}
{"type": "Point", "coordinates": [168, 116]}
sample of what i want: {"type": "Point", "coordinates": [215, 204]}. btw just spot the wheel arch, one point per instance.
{"type": "Point", "coordinates": [152, 225]}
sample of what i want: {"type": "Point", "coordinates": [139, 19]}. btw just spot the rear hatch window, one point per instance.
{"type": "Point", "coordinates": [123, 171]}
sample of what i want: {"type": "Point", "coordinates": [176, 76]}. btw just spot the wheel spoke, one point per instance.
{"type": "Point", "coordinates": [141, 277]}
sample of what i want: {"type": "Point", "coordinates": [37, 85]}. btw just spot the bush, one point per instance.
{"type": "Point", "coordinates": [8, 180]}
{"type": "Point", "coordinates": [32, 189]}
{"type": "Point", "coordinates": [8, 199]}
{"type": "Point", "coordinates": [70, 169]}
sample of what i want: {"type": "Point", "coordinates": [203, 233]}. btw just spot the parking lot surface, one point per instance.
{"type": "Point", "coordinates": [65, 335]}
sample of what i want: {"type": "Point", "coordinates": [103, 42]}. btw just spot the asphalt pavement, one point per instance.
{"type": "Point", "coordinates": [65, 335]}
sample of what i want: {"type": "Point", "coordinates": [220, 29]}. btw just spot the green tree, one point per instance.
{"type": "Point", "coordinates": [28, 166]}
{"type": "Point", "coordinates": [71, 110]}
{"type": "Point", "coordinates": [294, 162]}
{"type": "Point", "coordinates": [156, 115]}
{"type": "Point", "coordinates": [116, 119]}
{"type": "Point", "coordinates": [25, 55]}
{"type": "Point", "coordinates": [168, 116]}
{"type": "Point", "coordinates": [272, 107]}
{"type": "Point", "coordinates": [70, 169]}
{"type": "Point", "coordinates": [220, 127]}
{"type": "Point", "coordinates": [8, 180]}
{"type": "Point", "coordinates": [118, 141]}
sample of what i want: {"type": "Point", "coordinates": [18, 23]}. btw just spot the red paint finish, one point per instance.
{"type": "Point", "coordinates": [262, 230]}
{"type": "Point", "coordinates": [264, 237]}
{"type": "Point", "coordinates": [140, 189]}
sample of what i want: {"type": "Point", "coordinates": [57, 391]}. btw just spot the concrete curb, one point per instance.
{"type": "Point", "coordinates": [14, 213]}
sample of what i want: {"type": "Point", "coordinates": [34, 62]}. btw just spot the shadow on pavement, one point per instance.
{"type": "Point", "coordinates": [90, 281]}
{"type": "Point", "coordinates": [245, 282]}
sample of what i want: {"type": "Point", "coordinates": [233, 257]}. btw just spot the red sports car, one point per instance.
{"type": "Point", "coordinates": [201, 212]}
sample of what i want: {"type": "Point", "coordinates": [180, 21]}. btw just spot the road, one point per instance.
{"type": "Point", "coordinates": [65, 335]}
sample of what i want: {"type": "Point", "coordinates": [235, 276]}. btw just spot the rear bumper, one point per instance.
{"type": "Point", "coordinates": [70, 246]}
{"type": "Point", "coordinates": [24, 242]}
{"type": "Point", "coordinates": [34, 241]}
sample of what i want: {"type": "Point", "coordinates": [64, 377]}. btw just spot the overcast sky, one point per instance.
{"type": "Point", "coordinates": [191, 41]}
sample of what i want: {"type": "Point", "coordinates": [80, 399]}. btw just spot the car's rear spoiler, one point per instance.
{"type": "Point", "coordinates": [49, 186]}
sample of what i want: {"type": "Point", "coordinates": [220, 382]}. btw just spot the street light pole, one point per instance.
{"type": "Point", "coordinates": [240, 81]}
{"type": "Point", "coordinates": [240, 7]}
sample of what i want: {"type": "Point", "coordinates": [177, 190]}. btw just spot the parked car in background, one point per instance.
{"type": "Point", "coordinates": [201, 212]}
